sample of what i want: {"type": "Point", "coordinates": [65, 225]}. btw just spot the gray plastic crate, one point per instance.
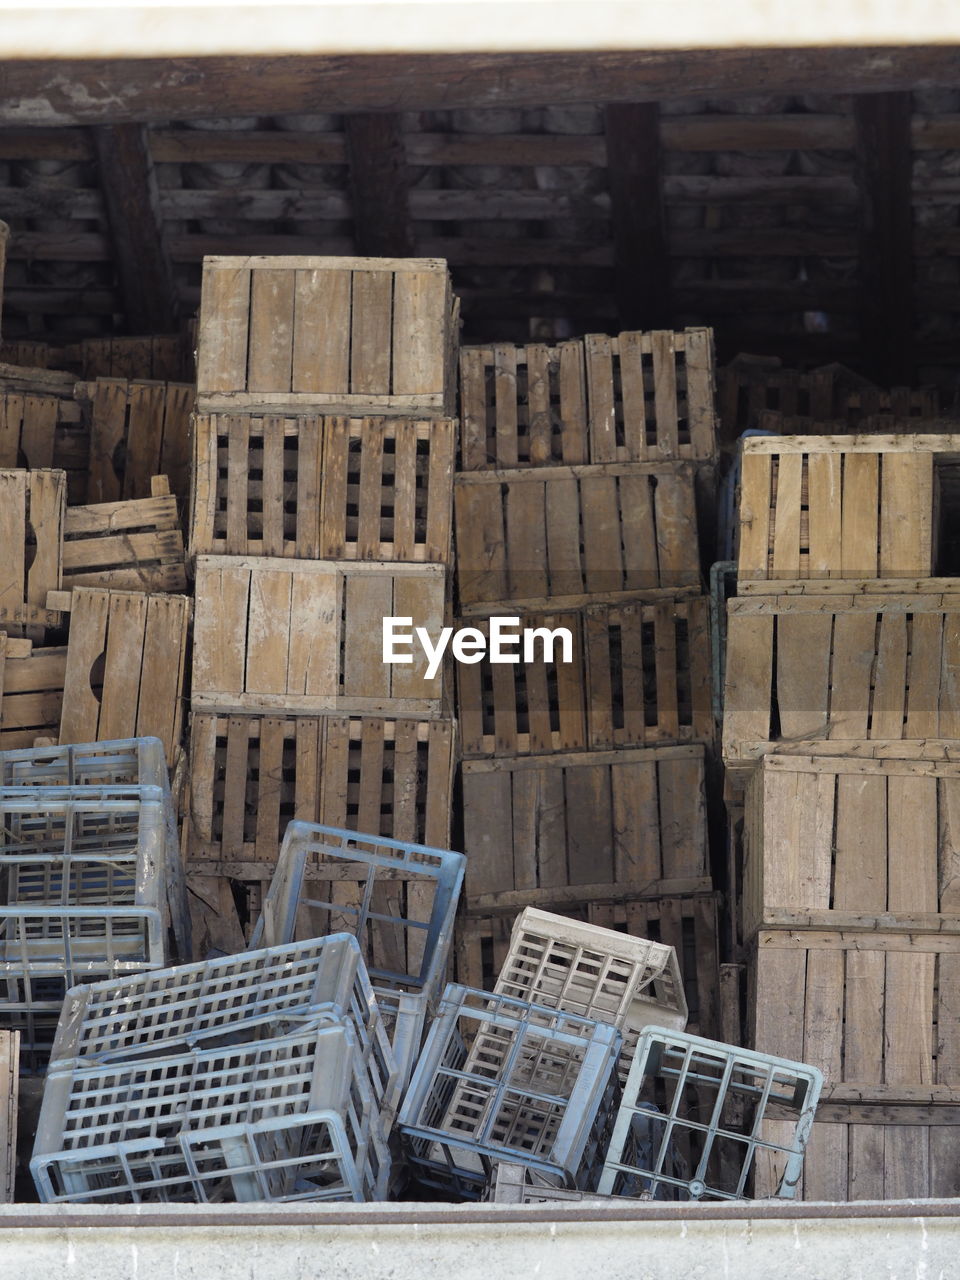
{"type": "Point", "coordinates": [595, 972]}
{"type": "Point", "coordinates": [273, 1118]}
{"type": "Point", "coordinates": [502, 1079]}
{"type": "Point", "coordinates": [123, 762]}
{"type": "Point", "coordinates": [712, 1100]}
{"type": "Point", "coordinates": [399, 899]}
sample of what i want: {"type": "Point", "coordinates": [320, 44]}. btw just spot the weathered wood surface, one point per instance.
{"type": "Point", "coordinates": [31, 692]}
{"type": "Point", "coordinates": [134, 544]}
{"type": "Point", "coordinates": [32, 506]}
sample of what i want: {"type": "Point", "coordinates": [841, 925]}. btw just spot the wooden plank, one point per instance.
{"type": "Point", "coordinates": [526, 531]}
{"type": "Point", "coordinates": [473, 409]}
{"type": "Point", "coordinates": [573, 403]}
{"type": "Point", "coordinates": [270, 359]}
{"type": "Point", "coordinates": [824, 514]}
{"type": "Point", "coordinates": [598, 358]}
{"type": "Point", "coordinates": [860, 877]}
{"type": "Point", "coordinates": [321, 348]}
{"type": "Point", "coordinates": [505, 405]}
{"type": "Point", "coordinates": [860, 510]}
{"type": "Point", "coordinates": [421, 311]}
{"type": "Point", "coordinates": [906, 515]}
{"type": "Point", "coordinates": [224, 320]}
{"type": "Point", "coordinates": [803, 674]}
{"type": "Point", "coordinates": [786, 515]}
{"type": "Point", "coordinates": [371, 330]}
{"type": "Point", "coordinates": [268, 630]}
{"type": "Point", "coordinates": [88, 629]}
{"type": "Point", "coordinates": [107, 430]}
{"type": "Point", "coordinates": [9, 1096]}
{"type": "Point", "coordinates": [748, 680]}
{"type": "Point", "coordinates": [539, 409]}
{"type": "Point", "coordinates": [126, 620]}
{"type": "Point", "coordinates": [755, 484]}
{"type": "Point", "coordinates": [665, 392]}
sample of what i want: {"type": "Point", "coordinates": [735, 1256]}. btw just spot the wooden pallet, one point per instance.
{"type": "Point", "coordinates": [828, 840]}
{"type": "Point", "coordinates": [9, 1094]}
{"type": "Point", "coordinates": [138, 430]}
{"type": "Point", "coordinates": [333, 488]}
{"type": "Point", "coordinates": [845, 507]}
{"type": "Point", "coordinates": [689, 924]}
{"type": "Point", "coordinates": [166, 358]}
{"type": "Point", "coordinates": [32, 505]}
{"type": "Point", "coordinates": [843, 668]}
{"type": "Point", "coordinates": [559, 537]}
{"type": "Point", "coordinates": [538, 828]}
{"type": "Point", "coordinates": [639, 675]}
{"type": "Point", "coordinates": [639, 397]}
{"type": "Point", "coordinates": [302, 637]}
{"type": "Point", "coordinates": [249, 776]}
{"type": "Point", "coordinates": [135, 544]}
{"type": "Point", "coordinates": [31, 691]}
{"type": "Point", "coordinates": [126, 658]}
{"type": "Point", "coordinates": [330, 335]}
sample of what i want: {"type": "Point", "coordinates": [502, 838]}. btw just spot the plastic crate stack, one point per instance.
{"type": "Point", "coordinates": [841, 715]}
{"type": "Point", "coordinates": [324, 452]}
{"type": "Point", "coordinates": [585, 502]}
{"type": "Point", "coordinates": [563, 1072]}
{"type": "Point", "coordinates": [91, 885]}
{"type": "Point", "coordinates": [264, 1076]}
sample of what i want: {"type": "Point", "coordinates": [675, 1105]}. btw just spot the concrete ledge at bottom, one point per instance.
{"type": "Point", "coordinates": [629, 1240]}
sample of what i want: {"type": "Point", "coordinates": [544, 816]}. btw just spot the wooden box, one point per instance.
{"type": "Point", "coordinates": [851, 507]}
{"type": "Point", "coordinates": [558, 537]}
{"type": "Point", "coordinates": [326, 488]}
{"type": "Point", "coordinates": [689, 924]}
{"type": "Point", "coordinates": [327, 335]}
{"type": "Point", "coordinates": [138, 430]}
{"type": "Point", "coordinates": [639, 675]}
{"type": "Point", "coordinates": [303, 637]}
{"type": "Point", "coordinates": [126, 657]}
{"type": "Point", "coordinates": [32, 505]}
{"type": "Point", "coordinates": [639, 397]}
{"type": "Point", "coordinates": [164, 357]}
{"type": "Point", "coordinates": [251, 775]}
{"type": "Point", "coordinates": [839, 669]}
{"type": "Point", "coordinates": [42, 425]}
{"type": "Point", "coordinates": [31, 692]}
{"type": "Point", "coordinates": [542, 830]}
{"type": "Point", "coordinates": [830, 840]}
{"type": "Point", "coordinates": [134, 545]}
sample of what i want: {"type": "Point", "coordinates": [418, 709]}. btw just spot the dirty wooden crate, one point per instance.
{"type": "Point", "coordinates": [138, 430]}
{"type": "Point", "coordinates": [135, 544]}
{"type": "Point", "coordinates": [637, 397]}
{"type": "Point", "coordinates": [638, 675]}
{"type": "Point", "coordinates": [839, 669]}
{"type": "Point", "coordinates": [561, 536]}
{"type": "Point", "coordinates": [898, 1146]}
{"type": "Point", "coordinates": [9, 1098]}
{"type": "Point", "coordinates": [327, 335]}
{"type": "Point", "coordinates": [32, 506]}
{"type": "Point", "coordinates": [302, 637]}
{"type": "Point", "coordinates": [34, 355]}
{"type": "Point", "coordinates": [31, 691]}
{"type": "Point", "coordinates": [332, 488]}
{"type": "Point", "coordinates": [541, 830]}
{"type": "Point", "coordinates": [39, 430]}
{"type": "Point", "coordinates": [164, 357]}
{"type": "Point", "coordinates": [688, 924]}
{"type": "Point", "coordinates": [850, 507]}
{"type": "Point", "coordinates": [126, 657]}
{"type": "Point", "coordinates": [827, 840]}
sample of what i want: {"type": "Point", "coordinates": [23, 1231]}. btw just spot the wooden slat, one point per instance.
{"type": "Point", "coordinates": [224, 321]}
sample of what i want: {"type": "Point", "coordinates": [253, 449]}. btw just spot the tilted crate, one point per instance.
{"type": "Point", "coordinates": [632, 398]}
{"type": "Point", "coordinates": [533, 1087]}
{"type": "Point", "coordinates": [839, 669]}
{"type": "Point", "coordinates": [32, 507]}
{"type": "Point", "coordinates": [251, 775]}
{"type": "Point", "coordinates": [331, 335]}
{"type": "Point", "coordinates": [709, 1101]}
{"type": "Point", "coordinates": [633, 819]}
{"type": "Point", "coordinates": [306, 636]}
{"type": "Point", "coordinates": [851, 507]}
{"type": "Point", "coordinates": [31, 691]}
{"type": "Point", "coordinates": [639, 675]}
{"type": "Point", "coordinates": [134, 545]}
{"type": "Point", "coordinates": [558, 537]}
{"type": "Point", "coordinates": [828, 839]}
{"type": "Point", "coordinates": [323, 488]}
{"type": "Point", "coordinates": [138, 430]}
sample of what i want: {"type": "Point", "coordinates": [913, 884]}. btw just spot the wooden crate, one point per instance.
{"type": "Point", "coordinates": [539, 830]}
{"type": "Point", "coordinates": [9, 1095]}
{"type": "Point", "coordinates": [34, 355]}
{"type": "Point", "coordinates": [135, 544]}
{"type": "Point", "coordinates": [330, 488]}
{"type": "Point", "coordinates": [888, 423]}
{"type": "Point", "coordinates": [327, 335]}
{"type": "Point", "coordinates": [138, 430]}
{"type": "Point", "coordinates": [828, 841]}
{"type": "Point", "coordinates": [38, 431]}
{"type": "Point", "coordinates": [639, 675]}
{"type": "Point", "coordinates": [563, 536]}
{"type": "Point", "coordinates": [126, 658]}
{"type": "Point", "coordinates": [250, 776]}
{"type": "Point", "coordinates": [814, 507]}
{"type": "Point", "coordinates": [165, 357]}
{"type": "Point", "coordinates": [639, 397]}
{"type": "Point", "coordinates": [689, 924]}
{"type": "Point", "coordinates": [32, 505]}
{"type": "Point", "coordinates": [839, 669]}
{"type": "Point", "coordinates": [31, 691]}
{"type": "Point", "coordinates": [303, 637]}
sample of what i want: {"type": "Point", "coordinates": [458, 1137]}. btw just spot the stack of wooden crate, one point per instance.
{"type": "Point", "coordinates": [842, 714]}
{"type": "Point", "coordinates": [324, 452]}
{"type": "Point", "coordinates": [584, 774]}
